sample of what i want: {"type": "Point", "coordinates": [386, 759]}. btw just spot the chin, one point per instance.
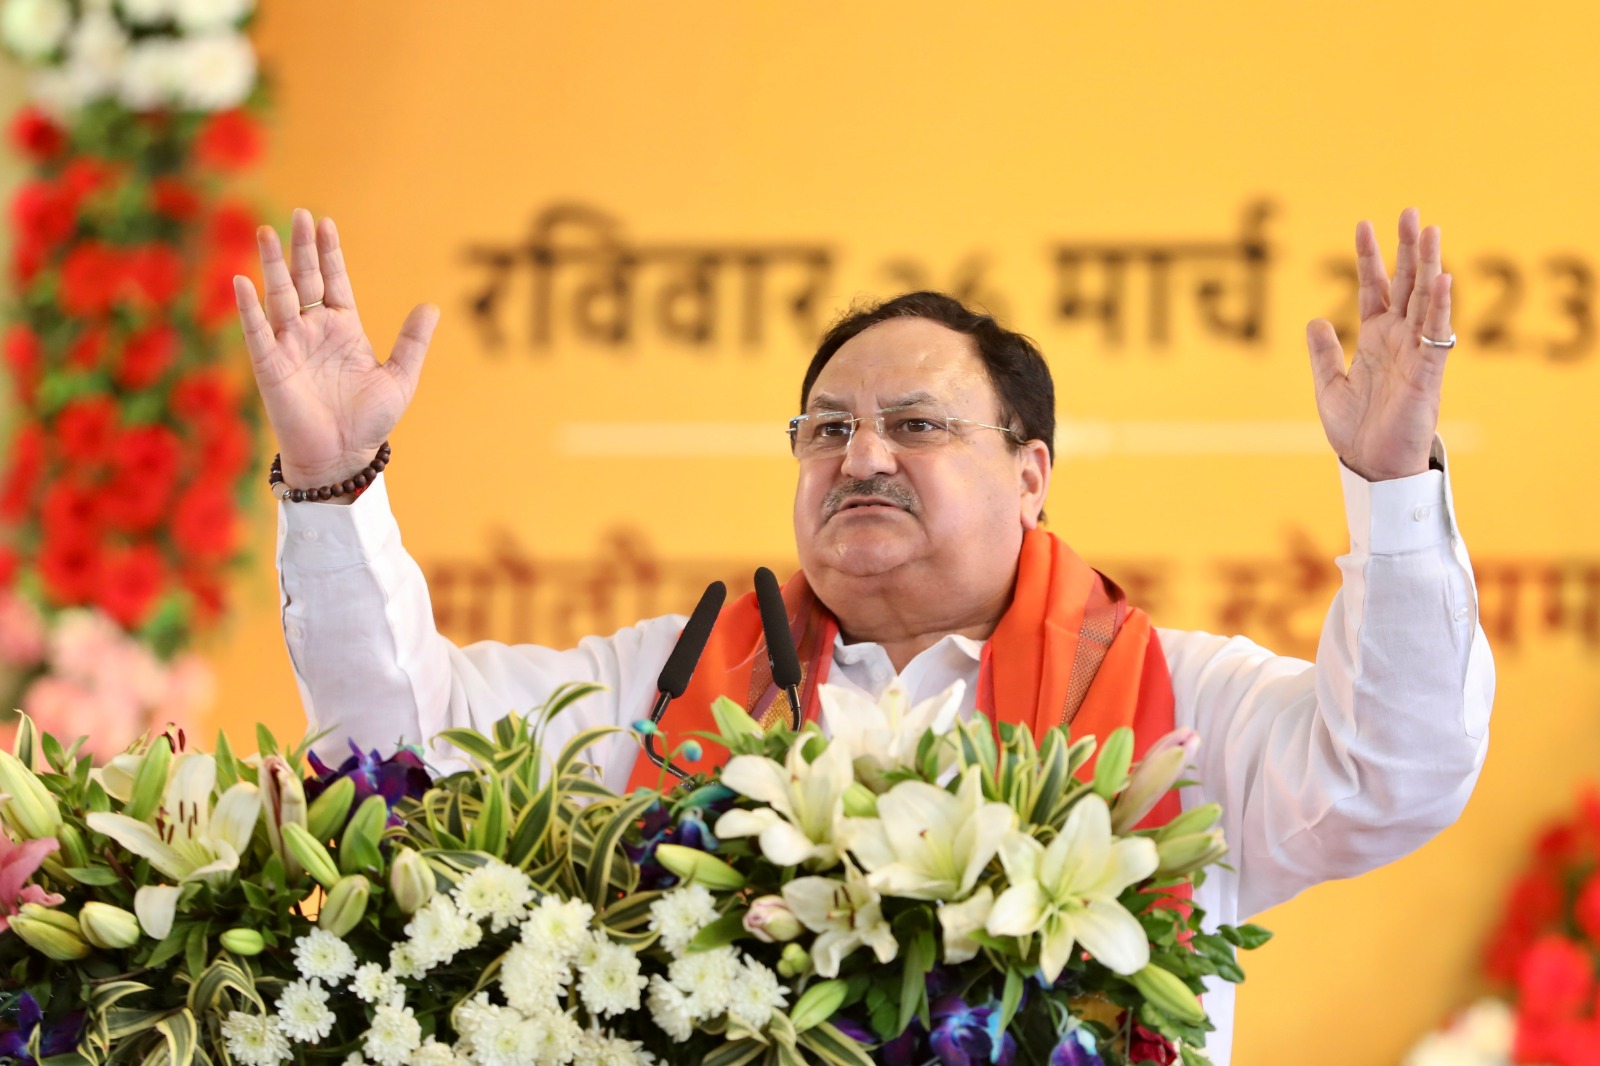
{"type": "Point", "coordinates": [864, 554]}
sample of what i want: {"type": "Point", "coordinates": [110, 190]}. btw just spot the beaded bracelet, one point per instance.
{"type": "Point", "coordinates": [352, 486]}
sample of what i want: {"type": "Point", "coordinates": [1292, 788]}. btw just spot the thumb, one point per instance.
{"type": "Point", "coordinates": [1327, 357]}
{"type": "Point", "coordinates": [411, 347]}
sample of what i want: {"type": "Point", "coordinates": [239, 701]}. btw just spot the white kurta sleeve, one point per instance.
{"type": "Point", "coordinates": [1329, 770]}
{"type": "Point", "coordinates": [372, 667]}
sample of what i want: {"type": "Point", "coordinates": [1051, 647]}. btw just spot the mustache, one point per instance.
{"type": "Point", "coordinates": [881, 486]}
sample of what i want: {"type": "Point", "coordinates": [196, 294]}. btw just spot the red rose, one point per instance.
{"type": "Point", "coordinates": [8, 566]}
{"type": "Point", "coordinates": [36, 136]}
{"type": "Point", "coordinates": [232, 228]}
{"type": "Point", "coordinates": [227, 445]}
{"type": "Point", "coordinates": [147, 356]}
{"type": "Point", "coordinates": [90, 276]}
{"type": "Point", "coordinates": [202, 398]}
{"type": "Point", "coordinates": [131, 580]}
{"type": "Point", "coordinates": [204, 524]}
{"type": "Point", "coordinates": [1560, 1042]}
{"type": "Point", "coordinates": [83, 177]}
{"type": "Point", "coordinates": [69, 565]}
{"type": "Point", "coordinates": [86, 427]}
{"type": "Point", "coordinates": [155, 274]}
{"type": "Point", "coordinates": [144, 474]}
{"type": "Point", "coordinates": [171, 197]}
{"type": "Point", "coordinates": [207, 594]}
{"type": "Point", "coordinates": [88, 348]}
{"type": "Point", "coordinates": [27, 259]}
{"type": "Point", "coordinates": [229, 140]}
{"type": "Point", "coordinates": [217, 306]}
{"type": "Point", "coordinates": [1149, 1045]}
{"type": "Point", "coordinates": [1586, 909]}
{"type": "Point", "coordinates": [43, 213]}
{"type": "Point", "coordinates": [24, 357]}
{"type": "Point", "coordinates": [22, 477]}
{"type": "Point", "coordinates": [71, 509]}
{"type": "Point", "coordinates": [1555, 980]}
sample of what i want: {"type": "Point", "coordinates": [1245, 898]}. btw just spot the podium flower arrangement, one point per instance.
{"type": "Point", "coordinates": [130, 442]}
{"type": "Point", "coordinates": [913, 889]}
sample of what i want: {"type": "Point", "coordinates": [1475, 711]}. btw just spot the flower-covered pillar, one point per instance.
{"type": "Point", "coordinates": [132, 434]}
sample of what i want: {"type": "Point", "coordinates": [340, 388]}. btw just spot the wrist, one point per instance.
{"type": "Point", "coordinates": [334, 490]}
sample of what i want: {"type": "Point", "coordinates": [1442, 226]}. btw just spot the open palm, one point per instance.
{"type": "Point", "coordinates": [330, 402]}
{"type": "Point", "coordinates": [1380, 412]}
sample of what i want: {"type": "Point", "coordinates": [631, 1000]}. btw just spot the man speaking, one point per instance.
{"type": "Point", "coordinates": [924, 447]}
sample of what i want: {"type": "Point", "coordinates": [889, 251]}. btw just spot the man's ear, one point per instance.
{"type": "Point", "coordinates": [1033, 460]}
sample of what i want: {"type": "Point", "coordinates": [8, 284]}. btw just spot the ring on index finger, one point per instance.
{"type": "Point", "coordinates": [1430, 342]}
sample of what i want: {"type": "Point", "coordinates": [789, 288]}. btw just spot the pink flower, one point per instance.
{"type": "Point", "coordinates": [81, 642]}
{"type": "Point", "coordinates": [191, 690]}
{"type": "Point", "coordinates": [18, 862]}
{"type": "Point", "coordinates": [21, 631]}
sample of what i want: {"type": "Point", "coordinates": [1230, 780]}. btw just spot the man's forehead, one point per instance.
{"type": "Point", "coordinates": [902, 361]}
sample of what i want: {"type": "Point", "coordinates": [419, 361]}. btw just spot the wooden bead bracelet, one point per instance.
{"type": "Point", "coordinates": [351, 486]}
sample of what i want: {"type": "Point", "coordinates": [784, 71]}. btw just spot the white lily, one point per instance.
{"type": "Point", "coordinates": [884, 734]}
{"type": "Point", "coordinates": [846, 915]}
{"type": "Point", "coordinates": [189, 839]}
{"type": "Point", "coordinates": [1068, 892]}
{"type": "Point", "coordinates": [927, 843]}
{"type": "Point", "coordinates": [805, 804]}
{"type": "Point", "coordinates": [960, 920]}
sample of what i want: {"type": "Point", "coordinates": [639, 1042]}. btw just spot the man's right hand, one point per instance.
{"type": "Point", "coordinates": [330, 402]}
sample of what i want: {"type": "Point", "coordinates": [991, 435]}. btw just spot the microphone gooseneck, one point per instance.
{"type": "Point", "coordinates": [781, 654]}
{"type": "Point", "coordinates": [674, 678]}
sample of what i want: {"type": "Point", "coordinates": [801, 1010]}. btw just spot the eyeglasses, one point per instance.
{"type": "Point", "coordinates": [910, 428]}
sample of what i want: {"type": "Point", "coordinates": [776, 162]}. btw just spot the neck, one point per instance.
{"type": "Point", "coordinates": [901, 650]}
{"type": "Point", "coordinates": [905, 627]}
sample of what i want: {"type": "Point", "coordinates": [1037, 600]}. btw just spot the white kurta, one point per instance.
{"type": "Point", "coordinates": [1323, 771]}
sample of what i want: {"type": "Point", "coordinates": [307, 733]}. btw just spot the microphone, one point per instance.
{"type": "Point", "coordinates": [674, 678]}
{"type": "Point", "coordinates": [781, 654]}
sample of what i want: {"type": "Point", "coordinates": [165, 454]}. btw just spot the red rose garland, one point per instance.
{"type": "Point", "coordinates": [133, 440]}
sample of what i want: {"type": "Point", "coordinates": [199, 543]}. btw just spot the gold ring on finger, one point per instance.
{"type": "Point", "coordinates": [306, 307]}
{"type": "Point", "coordinates": [1430, 342]}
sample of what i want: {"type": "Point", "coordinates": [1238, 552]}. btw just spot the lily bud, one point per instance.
{"type": "Point", "coordinates": [1111, 766]}
{"type": "Point", "coordinates": [411, 880]}
{"type": "Point", "coordinates": [1165, 991]}
{"type": "Point", "coordinates": [770, 920]}
{"type": "Point", "coordinates": [794, 962]}
{"type": "Point", "coordinates": [149, 780]}
{"type": "Point", "coordinates": [51, 933]}
{"type": "Point", "coordinates": [313, 857]}
{"type": "Point", "coordinates": [106, 926]}
{"type": "Point", "coordinates": [284, 804]}
{"type": "Point", "coordinates": [860, 801]}
{"type": "Point", "coordinates": [1197, 820]}
{"type": "Point", "coordinates": [243, 941]}
{"type": "Point", "coordinates": [699, 867]}
{"type": "Point", "coordinates": [733, 721]}
{"type": "Point", "coordinates": [358, 848]}
{"type": "Point", "coordinates": [73, 852]}
{"type": "Point", "coordinates": [820, 1002]}
{"type": "Point", "coordinates": [1186, 854]}
{"type": "Point", "coordinates": [29, 807]}
{"type": "Point", "coordinates": [1154, 777]}
{"type": "Point", "coordinates": [329, 810]}
{"type": "Point", "coordinates": [346, 904]}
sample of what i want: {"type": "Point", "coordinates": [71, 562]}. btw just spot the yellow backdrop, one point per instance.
{"type": "Point", "coordinates": [637, 218]}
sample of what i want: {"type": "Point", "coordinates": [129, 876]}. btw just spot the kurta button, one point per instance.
{"type": "Point", "coordinates": [1461, 614]}
{"type": "Point", "coordinates": [1421, 513]}
{"type": "Point", "coordinates": [309, 534]}
{"type": "Point", "coordinates": [294, 632]}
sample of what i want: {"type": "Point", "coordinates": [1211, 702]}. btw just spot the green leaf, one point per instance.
{"type": "Point", "coordinates": [227, 764]}
{"type": "Point", "coordinates": [832, 1046]}
{"type": "Point", "coordinates": [169, 948]}
{"type": "Point", "coordinates": [26, 742]}
{"type": "Point", "coordinates": [183, 1037]}
{"type": "Point", "coordinates": [93, 875]}
{"type": "Point", "coordinates": [472, 742]}
{"type": "Point", "coordinates": [532, 828]}
{"type": "Point", "coordinates": [735, 1053]}
{"type": "Point", "coordinates": [196, 947]}
{"type": "Point", "coordinates": [629, 911]}
{"type": "Point", "coordinates": [720, 933]}
{"type": "Point", "coordinates": [1011, 999]}
{"type": "Point", "coordinates": [1248, 937]}
{"type": "Point", "coordinates": [266, 743]}
{"type": "Point", "coordinates": [221, 976]}
{"type": "Point", "coordinates": [607, 845]}
{"type": "Point", "coordinates": [918, 956]}
{"type": "Point", "coordinates": [578, 744]}
{"type": "Point", "coordinates": [489, 828]}
{"type": "Point", "coordinates": [53, 753]}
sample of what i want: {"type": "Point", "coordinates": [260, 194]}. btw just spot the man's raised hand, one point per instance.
{"type": "Point", "coordinates": [330, 402]}
{"type": "Point", "coordinates": [1380, 412]}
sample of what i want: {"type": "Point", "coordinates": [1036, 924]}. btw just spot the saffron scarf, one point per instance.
{"type": "Point", "coordinates": [1068, 651]}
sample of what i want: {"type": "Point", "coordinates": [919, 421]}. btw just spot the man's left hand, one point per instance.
{"type": "Point", "coordinates": [1380, 413]}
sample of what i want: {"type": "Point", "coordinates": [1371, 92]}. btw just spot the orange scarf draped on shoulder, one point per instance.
{"type": "Point", "coordinates": [1069, 650]}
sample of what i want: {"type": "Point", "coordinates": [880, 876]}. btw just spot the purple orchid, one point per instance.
{"type": "Point", "coordinates": [1077, 1048]}
{"type": "Point", "coordinates": [658, 828]}
{"type": "Point", "coordinates": [401, 775]}
{"type": "Point", "coordinates": [18, 862]}
{"type": "Point", "coordinates": [964, 1035]}
{"type": "Point", "coordinates": [58, 1038]}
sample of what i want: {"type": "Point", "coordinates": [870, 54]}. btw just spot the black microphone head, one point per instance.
{"type": "Point", "coordinates": [775, 624]}
{"type": "Point", "coordinates": [692, 641]}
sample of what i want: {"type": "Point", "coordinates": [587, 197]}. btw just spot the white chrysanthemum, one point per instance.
{"type": "Point", "coordinates": [146, 12]}
{"type": "Point", "coordinates": [319, 955]}
{"type": "Point", "coordinates": [757, 995]}
{"type": "Point", "coordinates": [433, 1053]}
{"type": "Point", "coordinates": [393, 1035]}
{"type": "Point", "coordinates": [35, 28]}
{"type": "Point", "coordinates": [198, 16]}
{"type": "Point", "coordinates": [469, 1017]}
{"type": "Point", "coordinates": [303, 1012]}
{"type": "Point", "coordinates": [706, 978]}
{"type": "Point", "coordinates": [95, 53]}
{"type": "Point", "coordinates": [559, 925]}
{"type": "Point", "coordinates": [560, 1036]}
{"type": "Point", "coordinates": [533, 978]}
{"type": "Point", "coordinates": [505, 1038]}
{"type": "Point", "coordinates": [611, 983]}
{"type": "Point", "coordinates": [439, 931]}
{"type": "Point", "coordinates": [682, 913]}
{"type": "Point", "coordinates": [218, 70]}
{"type": "Point", "coordinates": [597, 1049]}
{"type": "Point", "coordinates": [253, 1040]}
{"type": "Point", "coordinates": [152, 72]}
{"type": "Point", "coordinates": [354, 1059]}
{"type": "Point", "coordinates": [496, 891]}
{"type": "Point", "coordinates": [403, 962]}
{"type": "Point", "coordinates": [373, 984]}
{"type": "Point", "coordinates": [670, 1009]}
